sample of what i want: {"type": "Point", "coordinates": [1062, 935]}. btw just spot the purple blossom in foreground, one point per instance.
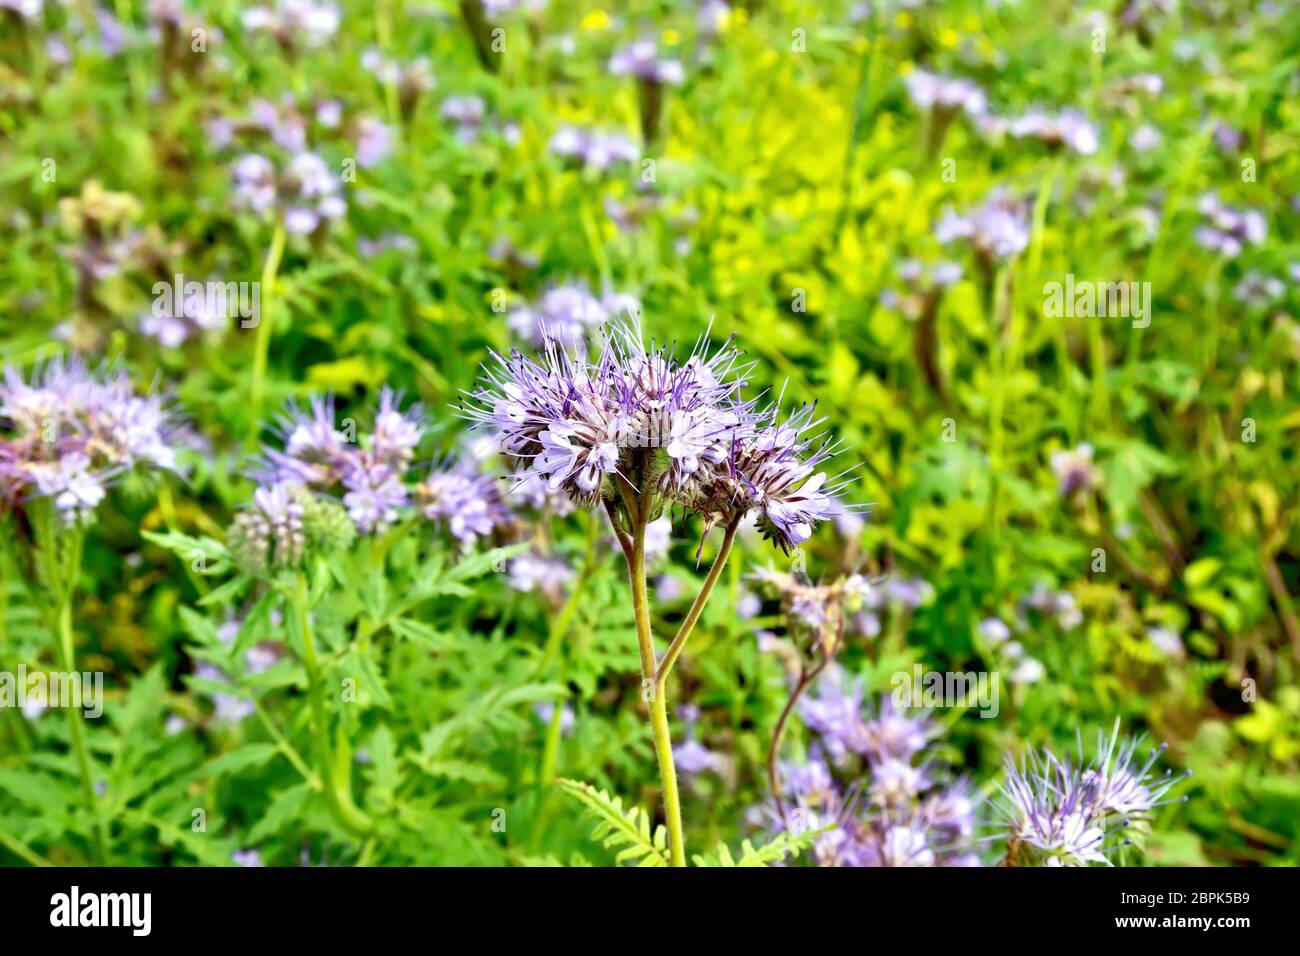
{"type": "Point", "coordinates": [1058, 813]}
{"type": "Point", "coordinates": [66, 431]}
{"type": "Point", "coordinates": [645, 421]}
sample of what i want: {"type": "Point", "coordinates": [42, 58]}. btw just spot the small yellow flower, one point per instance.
{"type": "Point", "coordinates": [971, 24]}
{"type": "Point", "coordinates": [740, 17]}
{"type": "Point", "coordinates": [949, 38]}
{"type": "Point", "coordinates": [671, 37]}
{"type": "Point", "coordinates": [903, 20]}
{"type": "Point", "coordinates": [595, 22]}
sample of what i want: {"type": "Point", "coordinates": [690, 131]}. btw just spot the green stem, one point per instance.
{"type": "Point", "coordinates": [335, 775]}
{"type": "Point", "coordinates": [62, 579]}
{"type": "Point", "coordinates": [262, 345]}
{"type": "Point", "coordinates": [697, 607]}
{"type": "Point", "coordinates": [658, 703]}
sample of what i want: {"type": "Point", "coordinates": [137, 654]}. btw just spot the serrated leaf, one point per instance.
{"type": "Point", "coordinates": [616, 827]}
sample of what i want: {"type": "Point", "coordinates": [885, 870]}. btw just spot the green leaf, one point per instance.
{"type": "Point", "coordinates": [616, 827]}
{"type": "Point", "coordinates": [233, 761]}
{"type": "Point", "coordinates": [772, 852]}
{"type": "Point", "coordinates": [286, 806]}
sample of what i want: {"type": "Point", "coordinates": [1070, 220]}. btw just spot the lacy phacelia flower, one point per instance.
{"type": "Point", "coordinates": [640, 420]}
{"type": "Point", "coordinates": [306, 194]}
{"type": "Point", "coordinates": [1060, 814]}
{"type": "Point", "coordinates": [1068, 128]}
{"type": "Point", "coordinates": [570, 314]}
{"type": "Point", "coordinates": [68, 431]}
{"type": "Point", "coordinates": [369, 469]}
{"type": "Point", "coordinates": [594, 149]}
{"type": "Point", "coordinates": [931, 90]}
{"type": "Point", "coordinates": [547, 576]}
{"type": "Point", "coordinates": [642, 60]}
{"type": "Point", "coordinates": [998, 229]}
{"type": "Point", "coordinates": [1074, 470]}
{"type": "Point", "coordinates": [469, 504]}
{"type": "Point", "coordinates": [294, 22]}
{"type": "Point", "coordinates": [282, 523]}
{"type": "Point", "coordinates": [1228, 230]}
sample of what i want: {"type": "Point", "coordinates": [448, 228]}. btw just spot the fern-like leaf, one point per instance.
{"type": "Point", "coordinates": [770, 853]}
{"type": "Point", "coordinates": [619, 828]}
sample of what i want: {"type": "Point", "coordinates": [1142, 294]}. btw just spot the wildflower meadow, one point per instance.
{"type": "Point", "coordinates": [538, 433]}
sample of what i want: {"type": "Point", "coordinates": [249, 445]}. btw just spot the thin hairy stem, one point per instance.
{"type": "Point", "coordinates": [697, 606]}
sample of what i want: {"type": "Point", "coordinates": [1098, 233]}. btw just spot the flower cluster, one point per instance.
{"type": "Point", "coordinates": [943, 93]}
{"type": "Point", "coordinates": [282, 524]}
{"type": "Point", "coordinates": [306, 193]}
{"type": "Point", "coordinates": [464, 500]}
{"type": "Point", "coordinates": [370, 470]}
{"type": "Point", "coordinates": [294, 22]}
{"type": "Point", "coordinates": [998, 228]}
{"type": "Point", "coordinates": [570, 314]}
{"type": "Point", "coordinates": [1069, 129]}
{"type": "Point", "coordinates": [902, 808]}
{"type": "Point", "coordinates": [638, 421]}
{"type": "Point", "coordinates": [1228, 230]}
{"type": "Point", "coordinates": [642, 60]}
{"type": "Point", "coordinates": [71, 430]}
{"type": "Point", "coordinates": [594, 149]}
{"type": "Point", "coordinates": [1061, 813]}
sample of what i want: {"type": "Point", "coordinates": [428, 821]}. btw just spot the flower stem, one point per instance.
{"type": "Point", "coordinates": [262, 344]}
{"type": "Point", "coordinates": [334, 773]}
{"type": "Point", "coordinates": [658, 703]}
{"type": "Point", "coordinates": [697, 607]}
{"type": "Point", "coordinates": [61, 576]}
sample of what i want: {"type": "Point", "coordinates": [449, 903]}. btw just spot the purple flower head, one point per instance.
{"type": "Point", "coordinates": [1228, 230]}
{"type": "Point", "coordinates": [905, 845]}
{"type": "Point", "coordinates": [1074, 470]}
{"type": "Point", "coordinates": [834, 712]}
{"type": "Point", "coordinates": [468, 503]}
{"type": "Point", "coordinates": [894, 734]}
{"type": "Point", "coordinates": [369, 469]}
{"type": "Point", "coordinates": [998, 229]}
{"type": "Point", "coordinates": [570, 315]}
{"type": "Point", "coordinates": [594, 149]}
{"type": "Point", "coordinates": [641, 420]}
{"type": "Point", "coordinates": [545, 575]}
{"type": "Point", "coordinates": [66, 431]}
{"type": "Point", "coordinates": [1059, 814]}
{"type": "Point", "coordinates": [692, 757]}
{"type": "Point", "coordinates": [947, 94]}
{"type": "Point", "coordinates": [1069, 128]}
{"type": "Point", "coordinates": [642, 60]}
{"type": "Point", "coordinates": [305, 193]}
{"type": "Point", "coordinates": [294, 22]}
